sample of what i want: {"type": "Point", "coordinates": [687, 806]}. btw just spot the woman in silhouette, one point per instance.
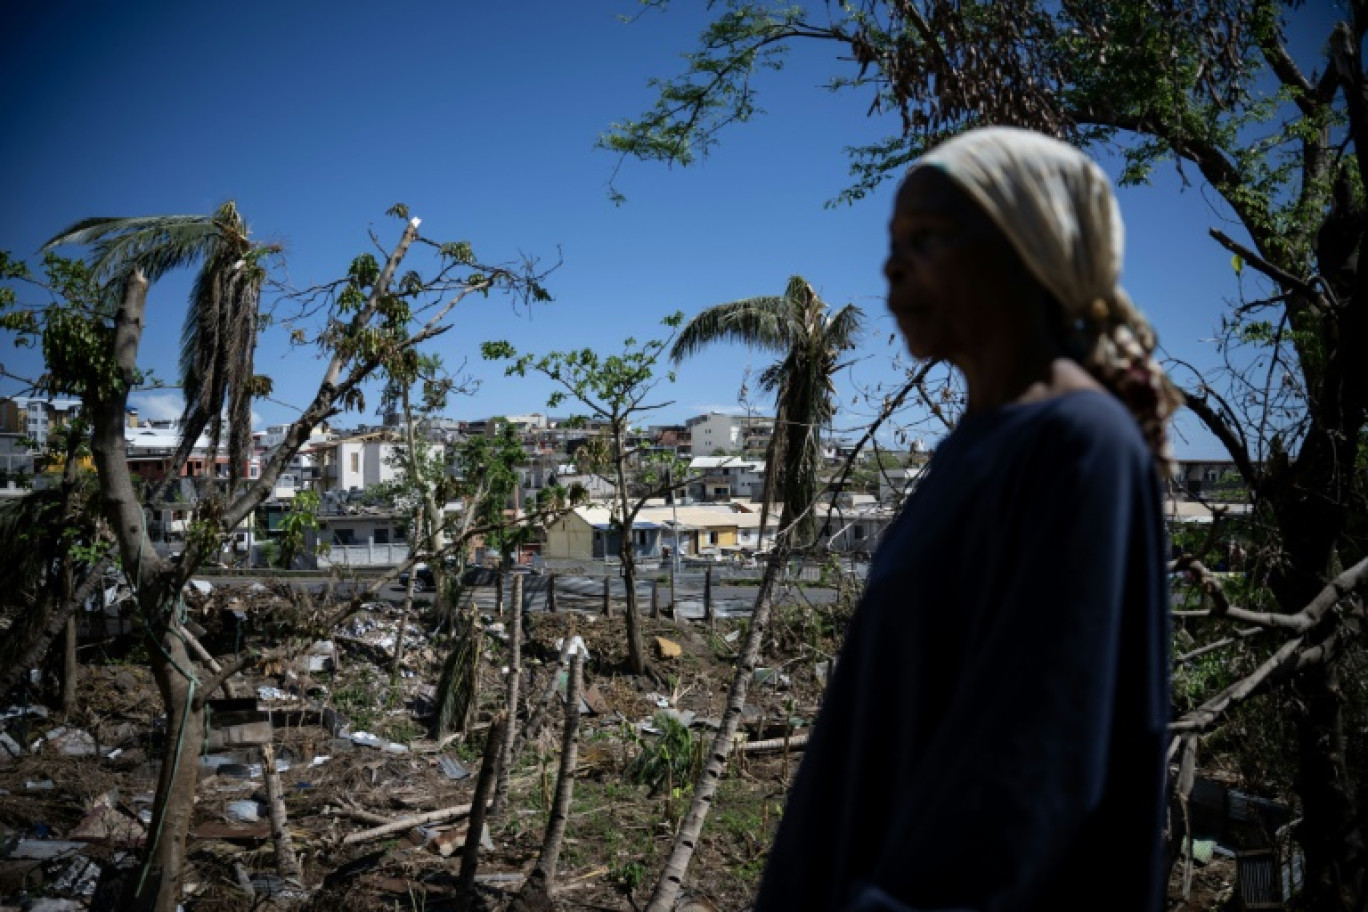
{"type": "Point", "coordinates": [993, 736]}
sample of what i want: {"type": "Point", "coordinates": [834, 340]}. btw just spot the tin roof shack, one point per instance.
{"type": "Point", "coordinates": [587, 533]}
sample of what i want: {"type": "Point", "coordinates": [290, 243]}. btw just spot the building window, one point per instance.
{"type": "Point", "coordinates": [356, 462]}
{"type": "Point", "coordinates": [858, 533]}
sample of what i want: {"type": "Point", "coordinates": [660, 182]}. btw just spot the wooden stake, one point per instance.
{"type": "Point", "coordinates": [514, 684]}
{"type": "Point", "coordinates": [287, 863]}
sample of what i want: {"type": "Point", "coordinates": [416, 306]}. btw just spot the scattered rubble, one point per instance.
{"type": "Point", "coordinates": [376, 809]}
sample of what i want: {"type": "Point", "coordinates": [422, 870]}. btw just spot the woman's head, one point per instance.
{"type": "Point", "coordinates": [1051, 213]}
{"type": "Point", "coordinates": [956, 286]}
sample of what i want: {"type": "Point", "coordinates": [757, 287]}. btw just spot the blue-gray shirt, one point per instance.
{"type": "Point", "coordinates": [993, 736]}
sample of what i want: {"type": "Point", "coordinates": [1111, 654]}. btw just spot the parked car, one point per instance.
{"type": "Point", "coordinates": [423, 578]}
{"type": "Point", "coordinates": [425, 581]}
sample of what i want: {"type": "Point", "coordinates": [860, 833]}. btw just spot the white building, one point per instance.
{"type": "Point", "coordinates": [721, 478]}
{"type": "Point", "coordinates": [361, 461]}
{"type": "Point", "coordinates": [34, 416]}
{"type": "Point", "coordinates": [716, 432]}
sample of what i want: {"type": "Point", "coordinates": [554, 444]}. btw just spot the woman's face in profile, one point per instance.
{"type": "Point", "coordinates": [950, 270]}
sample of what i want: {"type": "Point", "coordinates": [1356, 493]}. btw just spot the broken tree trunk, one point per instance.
{"type": "Point", "coordinates": [404, 615]}
{"type": "Point", "coordinates": [470, 855]}
{"type": "Point", "coordinates": [158, 885]}
{"type": "Point", "coordinates": [792, 742]}
{"type": "Point", "coordinates": [287, 862]}
{"type": "Point", "coordinates": [404, 824]}
{"type": "Point", "coordinates": [70, 668]}
{"type": "Point", "coordinates": [510, 731]}
{"type": "Point", "coordinates": [198, 648]}
{"type": "Point", "coordinates": [672, 876]}
{"type": "Point", "coordinates": [538, 713]}
{"type": "Point", "coordinates": [542, 881]}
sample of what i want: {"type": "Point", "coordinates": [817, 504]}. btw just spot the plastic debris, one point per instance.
{"type": "Point", "coordinates": [72, 742]}
{"type": "Point", "coordinates": [78, 878]}
{"type": "Point", "coordinates": [576, 645]}
{"type": "Point", "coordinates": [9, 747]}
{"type": "Point", "coordinates": [452, 768]}
{"type": "Point", "coordinates": [265, 692]}
{"type": "Point", "coordinates": [243, 811]}
{"type": "Point", "coordinates": [366, 738]}
{"type": "Point", "coordinates": [15, 712]}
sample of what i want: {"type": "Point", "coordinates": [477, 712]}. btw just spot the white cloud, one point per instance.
{"type": "Point", "coordinates": [163, 406]}
{"type": "Point", "coordinates": [168, 406]}
{"type": "Point", "coordinates": [732, 409]}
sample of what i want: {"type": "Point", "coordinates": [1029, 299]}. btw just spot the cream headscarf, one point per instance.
{"type": "Point", "coordinates": [1056, 207]}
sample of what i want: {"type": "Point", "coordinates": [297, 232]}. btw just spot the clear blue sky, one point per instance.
{"type": "Point", "coordinates": [317, 117]}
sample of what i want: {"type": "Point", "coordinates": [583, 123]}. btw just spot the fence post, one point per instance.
{"type": "Point", "coordinates": [707, 595]}
{"type": "Point", "coordinates": [655, 598]}
{"type": "Point", "coordinates": [607, 595]}
{"type": "Point", "coordinates": [551, 593]}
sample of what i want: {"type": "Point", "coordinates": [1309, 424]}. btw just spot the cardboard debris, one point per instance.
{"type": "Point", "coordinates": [595, 701]}
{"type": "Point", "coordinates": [110, 825]}
{"type": "Point", "coordinates": [232, 832]}
{"type": "Point", "coordinates": [449, 842]}
{"type": "Point", "coordinates": [668, 649]}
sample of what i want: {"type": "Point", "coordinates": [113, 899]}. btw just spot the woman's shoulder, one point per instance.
{"type": "Point", "coordinates": [1089, 422]}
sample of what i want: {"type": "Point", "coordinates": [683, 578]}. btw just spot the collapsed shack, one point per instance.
{"type": "Point", "coordinates": [319, 786]}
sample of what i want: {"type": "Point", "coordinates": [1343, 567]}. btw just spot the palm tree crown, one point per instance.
{"type": "Point", "coordinates": [218, 337]}
{"type": "Point", "coordinates": [810, 339]}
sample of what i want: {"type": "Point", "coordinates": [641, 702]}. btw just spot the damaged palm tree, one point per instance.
{"type": "Point", "coordinates": [373, 316]}
{"type": "Point", "coordinates": [809, 339]}
{"type": "Point", "coordinates": [458, 687]}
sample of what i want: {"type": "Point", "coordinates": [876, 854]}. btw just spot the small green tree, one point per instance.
{"type": "Point", "coordinates": [298, 521]}
{"type": "Point", "coordinates": [613, 388]}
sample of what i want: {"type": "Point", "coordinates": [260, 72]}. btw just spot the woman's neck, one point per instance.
{"type": "Point", "coordinates": [1017, 373]}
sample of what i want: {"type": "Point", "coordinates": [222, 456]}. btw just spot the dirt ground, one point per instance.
{"type": "Point", "coordinates": [354, 752]}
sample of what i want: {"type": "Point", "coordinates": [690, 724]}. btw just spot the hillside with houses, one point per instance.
{"type": "Point", "coordinates": [714, 516]}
